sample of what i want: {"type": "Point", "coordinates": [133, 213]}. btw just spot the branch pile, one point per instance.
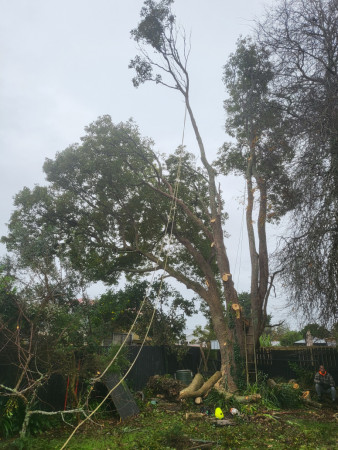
{"type": "Point", "coordinates": [163, 385]}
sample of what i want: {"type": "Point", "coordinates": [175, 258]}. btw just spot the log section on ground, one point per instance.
{"type": "Point", "coordinates": [197, 389]}
{"type": "Point", "coordinates": [194, 386]}
{"type": "Point", "coordinates": [194, 391]}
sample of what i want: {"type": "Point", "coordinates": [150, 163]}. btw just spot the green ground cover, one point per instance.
{"type": "Point", "coordinates": [160, 428]}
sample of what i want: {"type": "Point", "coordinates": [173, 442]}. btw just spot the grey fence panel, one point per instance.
{"type": "Point", "coordinates": [159, 360]}
{"type": "Point", "coordinates": [275, 362]}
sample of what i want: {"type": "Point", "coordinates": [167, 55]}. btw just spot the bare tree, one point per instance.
{"type": "Point", "coordinates": [27, 350]}
{"type": "Point", "coordinates": [302, 37]}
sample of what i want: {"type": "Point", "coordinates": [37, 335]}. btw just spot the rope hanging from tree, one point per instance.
{"type": "Point", "coordinates": [170, 221]}
{"type": "Point", "coordinates": [240, 239]}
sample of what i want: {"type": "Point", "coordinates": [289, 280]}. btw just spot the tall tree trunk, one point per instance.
{"type": "Point", "coordinates": [226, 336]}
{"type": "Point", "coordinates": [260, 259]}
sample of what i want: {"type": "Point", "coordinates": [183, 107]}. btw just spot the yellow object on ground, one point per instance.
{"type": "Point", "coordinates": [219, 413]}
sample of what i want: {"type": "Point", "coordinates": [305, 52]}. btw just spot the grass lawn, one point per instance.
{"type": "Point", "coordinates": [159, 428]}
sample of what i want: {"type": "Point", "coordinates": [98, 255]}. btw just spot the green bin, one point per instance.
{"type": "Point", "coordinates": [185, 376]}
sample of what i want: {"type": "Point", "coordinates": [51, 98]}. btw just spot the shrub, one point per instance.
{"type": "Point", "coordinates": [304, 376]}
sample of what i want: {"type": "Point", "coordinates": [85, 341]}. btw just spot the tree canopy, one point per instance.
{"type": "Point", "coordinates": [100, 209]}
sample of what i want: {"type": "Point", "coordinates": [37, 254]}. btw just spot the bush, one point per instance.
{"type": "Point", "coordinates": [287, 396]}
{"type": "Point", "coordinates": [265, 340]}
{"type": "Point", "coordinates": [11, 416]}
{"type": "Point", "coordinates": [283, 395]}
{"type": "Point", "coordinates": [289, 338]}
{"type": "Point", "coordinates": [304, 376]}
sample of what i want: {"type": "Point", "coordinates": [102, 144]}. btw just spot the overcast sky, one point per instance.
{"type": "Point", "coordinates": [65, 62]}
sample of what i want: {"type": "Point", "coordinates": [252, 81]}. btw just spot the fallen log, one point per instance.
{"type": "Point", "coordinates": [243, 398]}
{"type": "Point", "coordinates": [190, 392]}
{"type": "Point", "coordinates": [199, 443]}
{"type": "Point", "coordinates": [196, 390]}
{"type": "Point", "coordinates": [196, 383]}
{"type": "Point", "coordinates": [309, 402]}
{"type": "Point", "coordinates": [192, 415]}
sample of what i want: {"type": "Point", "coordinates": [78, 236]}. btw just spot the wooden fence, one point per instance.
{"type": "Point", "coordinates": [278, 362]}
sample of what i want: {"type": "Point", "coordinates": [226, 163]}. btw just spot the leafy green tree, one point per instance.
{"type": "Point", "coordinates": [289, 338]}
{"type": "Point", "coordinates": [316, 330]}
{"type": "Point", "coordinates": [203, 334]}
{"type": "Point", "coordinates": [161, 61]}
{"type": "Point", "coordinates": [260, 153]}
{"type": "Point", "coordinates": [115, 311]}
{"type": "Point", "coordinates": [100, 205]}
{"type": "Point", "coordinates": [302, 36]}
{"type": "Point", "coordinates": [265, 340]}
{"type": "Point", "coordinates": [279, 331]}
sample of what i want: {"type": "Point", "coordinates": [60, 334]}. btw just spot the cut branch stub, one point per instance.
{"type": "Point", "coordinates": [237, 308]}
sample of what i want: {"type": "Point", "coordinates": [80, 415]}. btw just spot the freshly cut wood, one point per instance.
{"type": "Point", "coordinates": [239, 398]}
{"type": "Point", "coordinates": [200, 443]}
{"type": "Point", "coordinates": [306, 394]}
{"type": "Point", "coordinates": [196, 383]}
{"type": "Point", "coordinates": [190, 393]}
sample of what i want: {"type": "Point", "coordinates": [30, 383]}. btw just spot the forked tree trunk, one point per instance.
{"type": "Point", "coordinates": [226, 335]}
